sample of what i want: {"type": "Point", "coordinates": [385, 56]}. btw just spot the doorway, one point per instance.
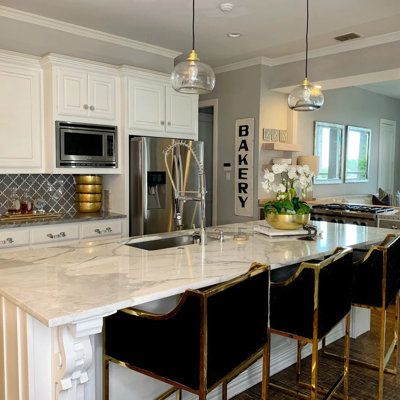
{"type": "Point", "coordinates": [208, 134]}
{"type": "Point", "coordinates": [387, 146]}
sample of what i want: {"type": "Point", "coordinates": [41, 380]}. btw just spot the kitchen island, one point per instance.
{"type": "Point", "coordinates": [54, 300]}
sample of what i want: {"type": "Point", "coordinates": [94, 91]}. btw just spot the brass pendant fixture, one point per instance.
{"type": "Point", "coordinates": [306, 97]}
{"type": "Point", "coordinates": [192, 76]}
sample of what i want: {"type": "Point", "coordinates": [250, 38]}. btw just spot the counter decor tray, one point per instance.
{"type": "Point", "coordinates": [29, 217]}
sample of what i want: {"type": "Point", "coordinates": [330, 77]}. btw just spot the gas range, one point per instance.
{"type": "Point", "coordinates": [357, 214]}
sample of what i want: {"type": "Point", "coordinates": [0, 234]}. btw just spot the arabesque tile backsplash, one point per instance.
{"type": "Point", "coordinates": [58, 191]}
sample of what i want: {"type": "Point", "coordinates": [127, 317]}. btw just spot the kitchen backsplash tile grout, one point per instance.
{"type": "Point", "coordinates": [58, 191]}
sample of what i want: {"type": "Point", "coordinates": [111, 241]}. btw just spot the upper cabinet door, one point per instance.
{"type": "Point", "coordinates": [20, 119]}
{"type": "Point", "coordinates": [146, 102]}
{"type": "Point", "coordinates": [102, 96]}
{"type": "Point", "coordinates": [181, 112]}
{"type": "Point", "coordinates": [72, 92]}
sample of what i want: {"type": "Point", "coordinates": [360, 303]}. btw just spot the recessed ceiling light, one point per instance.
{"type": "Point", "coordinates": [226, 7]}
{"type": "Point", "coordinates": [234, 34]}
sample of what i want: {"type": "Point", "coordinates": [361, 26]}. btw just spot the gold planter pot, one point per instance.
{"type": "Point", "coordinates": [287, 222]}
{"type": "Point", "coordinates": [88, 179]}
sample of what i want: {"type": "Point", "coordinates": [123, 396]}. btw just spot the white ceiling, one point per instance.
{"type": "Point", "coordinates": [271, 28]}
{"type": "Point", "coordinates": [387, 88]}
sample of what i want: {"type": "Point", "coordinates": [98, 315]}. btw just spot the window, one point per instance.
{"type": "Point", "coordinates": [357, 154]}
{"type": "Point", "coordinates": [328, 145]}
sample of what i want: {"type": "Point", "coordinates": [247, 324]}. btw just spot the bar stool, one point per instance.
{"type": "Point", "coordinates": [198, 345]}
{"type": "Point", "coordinates": [376, 284]}
{"type": "Point", "coordinates": [307, 301]}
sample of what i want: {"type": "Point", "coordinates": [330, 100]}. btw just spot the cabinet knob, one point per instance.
{"type": "Point", "coordinates": [169, 123]}
{"type": "Point", "coordinates": [91, 108]}
{"type": "Point", "coordinates": [7, 241]}
{"type": "Point", "coordinates": [106, 230]}
{"type": "Point", "coordinates": [85, 106]}
{"type": "Point", "coordinates": [60, 235]}
{"type": "Point", "coordinates": [162, 123]}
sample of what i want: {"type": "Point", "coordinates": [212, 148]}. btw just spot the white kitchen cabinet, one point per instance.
{"type": "Point", "coordinates": [72, 90]}
{"type": "Point", "coordinates": [155, 109]}
{"type": "Point", "coordinates": [55, 233]}
{"type": "Point", "coordinates": [86, 94]}
{"type": "Point", "coordinates": [181, 112]}
{"type": "Point", "coordinates": [102, 228]}
{"type": "Point", "coordinates": [21, 121]}
{"type": "Point", "coordinates": [13, 238]}
{"type": "Point", "coordinates": [146, 105]}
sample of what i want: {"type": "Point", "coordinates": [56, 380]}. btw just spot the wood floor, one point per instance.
{"type": "Point", "coordinates": [363, 382]}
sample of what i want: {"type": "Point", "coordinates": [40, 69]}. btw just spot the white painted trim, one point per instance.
{"type": "Point", "coordinates": [243, 64]}
{"type": "Point", "coordinates": [393, 124]}
{"type": "Point", "coordinates": [321, 52]}
{"type": "Point", "coordinates": [352, 80]}
{"type": "Point", "coordinates": [67, 27]}
{"type": "Point", "coordinates": [356, 44]}
{"type": "Point", "coordinates": [214, 103]}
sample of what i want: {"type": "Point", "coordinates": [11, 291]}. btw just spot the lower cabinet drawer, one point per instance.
{"type": "Point", "coordinates": [101, 228]}
{"type": "Point", "coordinates": [55, 233]}
{"type": "Point", "coordinates": [13, 238]}
{"type": "Point", "coordinates": [389, 224]}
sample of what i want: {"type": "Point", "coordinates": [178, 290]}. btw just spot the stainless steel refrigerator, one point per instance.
{"type": "Point", "coordinates": [151, 197]}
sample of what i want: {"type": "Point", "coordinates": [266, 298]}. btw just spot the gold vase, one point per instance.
{"type": "Point", "coordinates": [287, 221]}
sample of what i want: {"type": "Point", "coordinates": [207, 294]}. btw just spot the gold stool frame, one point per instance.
{"type": "Point", "coordinates": [393, 350]}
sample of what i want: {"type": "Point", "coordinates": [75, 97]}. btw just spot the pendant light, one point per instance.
{"type": "Point", "coordinates": [192, 76]}
{"type": "Point", "coordinates": [306, 97]}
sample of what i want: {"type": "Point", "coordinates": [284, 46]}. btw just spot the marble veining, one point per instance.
{"type": "Point", "coordinates": [67, 283]}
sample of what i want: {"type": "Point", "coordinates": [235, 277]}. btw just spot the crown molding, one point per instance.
{"type": "Point", "coordinates": [356, 44]}
{"type": "Point", "coordinates": [352, 45]}
{"type": "Point", "coordinates": [67, 27]}
{"type": "Point", "coordinates": [349, 81]}
{"type": "Point", "coordinates": [243, 64]}
{"type": "Point", "coordinates": [7, 56]}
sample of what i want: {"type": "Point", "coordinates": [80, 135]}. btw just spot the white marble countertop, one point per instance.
{"type": "Point", "coordinates": [65, 284]}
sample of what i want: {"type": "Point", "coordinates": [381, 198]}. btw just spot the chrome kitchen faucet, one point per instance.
{"type": "Point", "coordinates": [181, 196]}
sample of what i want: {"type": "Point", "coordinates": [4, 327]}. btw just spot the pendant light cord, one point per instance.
{"type": "Point", "coordinates": [308, 17]}
{"type": "Point", "coordinates": [193, 26]}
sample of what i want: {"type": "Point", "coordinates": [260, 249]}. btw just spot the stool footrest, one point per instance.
{"type": "Point", "coordinates": [328, 393]}
{"type": "Point", "coordinates": [355, 361]}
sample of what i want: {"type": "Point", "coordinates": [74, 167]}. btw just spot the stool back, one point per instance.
{"type": "Point", "coordinates": [376, 278]}
{"type": "Point", "coordinates": [237, 321]}
{"type": "Point", "coordinates": [314, 298]}
{"type": "Point", "coordinates": [334, 290]}
{"type": "Point", "coordinates": [206, 336]}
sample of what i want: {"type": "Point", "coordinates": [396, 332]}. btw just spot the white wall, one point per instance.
{"type": "Point", "coordinates": [238, 94]}
{"type": "Point", "coordinates": [352, 106]}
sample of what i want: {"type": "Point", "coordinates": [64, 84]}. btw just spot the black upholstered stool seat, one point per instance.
{"type": "Point", "coordinates": [196, 346]}
{"type": "Point", "coordinates": [307, 301]}
{"type": "Point", "coordinates": [375, 285]}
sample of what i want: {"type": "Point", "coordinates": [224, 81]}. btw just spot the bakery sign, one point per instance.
{"type": "Point", "coordinates": [244, 153]}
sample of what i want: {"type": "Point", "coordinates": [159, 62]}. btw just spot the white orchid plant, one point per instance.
{"type": "Point", "coordinates": [292, 178]}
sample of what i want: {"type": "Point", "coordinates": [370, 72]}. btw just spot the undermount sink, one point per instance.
{"type": "Point", "coordinates": [165, 243]}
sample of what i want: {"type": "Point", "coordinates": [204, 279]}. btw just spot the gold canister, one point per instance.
{"type": "Point", "coordinates": [88, 207]}
{"type": "Point", "coordinates": [88, 179]}
{"type": "Point", "coordinates": [88, 195]}
{"type": "Point", "coordinates": [89, 189]}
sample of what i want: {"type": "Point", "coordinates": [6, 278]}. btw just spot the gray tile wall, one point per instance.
{"type": "Point", "coordinates": [58, 191]}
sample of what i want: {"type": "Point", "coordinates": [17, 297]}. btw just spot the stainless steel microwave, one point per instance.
{"type": "Point", "coordinates": [86, 145]}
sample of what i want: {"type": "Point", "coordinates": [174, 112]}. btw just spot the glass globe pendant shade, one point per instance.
{"type": "Point", "coordinates": [192, 76]}
{"type": "Point", "coordinates": [306, 97]}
